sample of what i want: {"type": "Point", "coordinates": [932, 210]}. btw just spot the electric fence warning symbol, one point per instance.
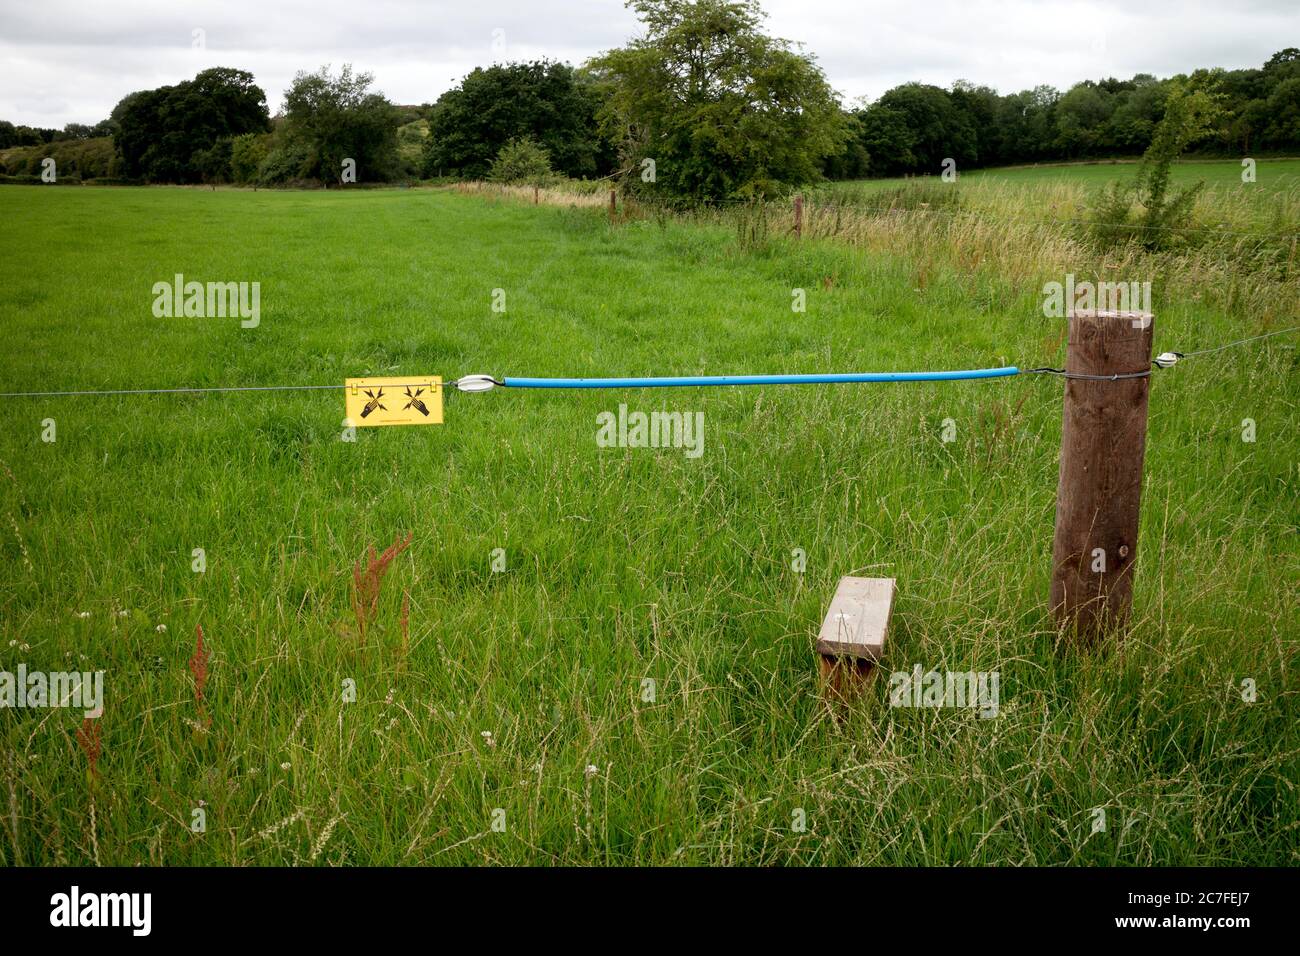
{"type": "Point", "coordinates": [394, 401]}
{"type": "Point", "coordinates": [413, 401]}
{"type": "Point", "coordinates": [373, 403]}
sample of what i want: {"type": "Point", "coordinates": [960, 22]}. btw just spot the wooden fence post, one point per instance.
{"type": "Point", "coordinates": [613, 206]}
{"type": "Point", "coordinates": [534, 195]}
{"type": "Point", "coordinates": [798, 217]}
{"type": "Point", "coordinates": [1103, 441]}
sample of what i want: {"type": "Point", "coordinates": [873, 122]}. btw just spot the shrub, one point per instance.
{"type": "Point", "coordinates": [1162, 215]}
{"type": "Point", "coordinates": [283, 164]}
{"type": "Point", "coordinates": [212, 164]}
{"type": "Point", "coordinates": [521, 160]}
{"type": "Point", "coordinates": [336, 119]}
{"type": "Point", "coordinates": [73, 159]}
{"type": "Point", "coordinates": [247, 153]}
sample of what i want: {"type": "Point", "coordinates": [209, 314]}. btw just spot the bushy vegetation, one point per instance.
{"type": "Point", "coordinates": [550, 103]}
{"type": "Point", "coordinates": [411, 139]}
{"type": "Point", "coordinates": [11, 135]}
{"type": "Point", "coordinates": [914, 127]}
{"type": "Point", "coordinates": [182, 133]}
{"type": "Point", "coordinates": [521, 161]}
{"type": "Point", "coordinates": [721, 109]}
{"type": "Point", "coordinates": [336, 125]}
{"type": "Point", "coordinates": [247, 154]}
{"type": "Point", "coordinates": [74, 159]}
{"type": "Point", "coordinates": [1163, 217]}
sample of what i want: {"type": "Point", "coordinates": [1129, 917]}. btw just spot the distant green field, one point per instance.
{"type": "Point", "coordinates": [637, 684]}
{"type": "Point", "coordinates": [1271, 175]}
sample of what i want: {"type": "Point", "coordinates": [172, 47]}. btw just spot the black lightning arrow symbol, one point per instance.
{"type": "Point", "coordinates": [373, 403]}
{"type": "Point", "coordinates": [415, 402]}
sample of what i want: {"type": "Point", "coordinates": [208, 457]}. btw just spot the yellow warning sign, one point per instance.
{"type": "Point", "coordinates": [394, 401]}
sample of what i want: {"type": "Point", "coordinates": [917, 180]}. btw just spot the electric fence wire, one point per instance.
{"type": "Point", "coordinates": [482, 383]}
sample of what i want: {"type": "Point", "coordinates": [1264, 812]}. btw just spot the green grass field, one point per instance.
{"type": "Point", "coordinates": [522, 696]}
{"type": "Point", "coordinates": [1271, 175]}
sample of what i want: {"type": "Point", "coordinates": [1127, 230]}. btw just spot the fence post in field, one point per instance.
{"type": "Point", "coordinates": [1103, 440]}
{"type": "Point", "coordinates": [798, 217]}
{"type": "Point", "coordinates": [613, 206]}
{"type": "Point", "coordinates": [534, 195]}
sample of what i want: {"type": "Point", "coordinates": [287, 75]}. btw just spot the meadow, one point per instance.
{"type": "Point", "coordinates": [1277, 176]}
{"type": "Point", "coordinates": [595, 655]}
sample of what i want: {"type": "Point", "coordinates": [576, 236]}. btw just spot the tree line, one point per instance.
{"type": "Point", "coordinates": [703, 106]}
{"type": "Point", "coordinates": [914, 127]}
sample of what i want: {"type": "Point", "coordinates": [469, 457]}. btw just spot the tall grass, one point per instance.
{"type": "Point", "coordinates": [648, 622]}
{"type": "Point", "coordinates": [1239, 254]}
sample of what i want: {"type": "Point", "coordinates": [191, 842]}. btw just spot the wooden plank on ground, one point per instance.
{"type": "Point", "coordinates": [858, 619]}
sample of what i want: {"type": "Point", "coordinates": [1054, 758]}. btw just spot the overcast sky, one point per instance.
{"type": "Point", "coordinates": [66, 62]}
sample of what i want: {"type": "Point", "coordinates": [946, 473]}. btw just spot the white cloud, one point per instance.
{"type": "Point", "coordinates": [64, 62]}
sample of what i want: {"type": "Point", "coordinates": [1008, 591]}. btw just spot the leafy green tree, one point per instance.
{"type": "Point", "coordinates": [853, 161]}
{"type": "Point", "coordinates": [27, 136]}
{"type": "Point", "coordinates": [888, 139]}
{"type": "Point", "coordinates": [139, 118]}
{"type": "Point", "coordinates": [1081, 118]}
{"type": "Point", "coordinates": [166, 135]}
{"type": "Point", "coordinates": [1137, 111]}
{"type": "Point", "coordinates": [213, 164]}
{"type": "Point", "coordinates": [979, 105]}
{"type": "Point", "coordinates": [550, 103]}
{"type": "Point", "coordinates": [1248, 127]}
{"type": "Point", "coordinates": [1284, 63]}
{"type": "Point", "coordinates": [1162, 213]}
{"type": "Point", "coordinates": [330, 119]}
{"type": "Point", "coordinates": [938, 128]}
{"type": "Point", "coordinates": [247, 153]}
{"type": "Point", "coordinates": [283, 164]}
{"type": "Point", "coordinates": [521, 160]}
{"type": "Point", "coordinates": [1283, 111]}
{"type": "Point", "coordinates": [721, 108]}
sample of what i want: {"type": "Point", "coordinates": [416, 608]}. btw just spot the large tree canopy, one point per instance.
{"type": "Point", "coordinates": [549, 103]}
{"type": "Point", "coordinates": [721, 108]}
{"type": "Point", "coordinates": [329, 120]}
{"type": "Point", "coordinates": [937, 129]}
{"type": "Point", "coordinates": [167, 134]}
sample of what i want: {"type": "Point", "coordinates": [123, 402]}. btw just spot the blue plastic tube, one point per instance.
{"type": "Point", "coordinates": [832, 378]}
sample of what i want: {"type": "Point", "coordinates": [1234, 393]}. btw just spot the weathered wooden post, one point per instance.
{"type": "Point", "coordinates": [613, 206]}
{"type": "Point", "coordinates": [798, 217]}
{"type": "Point", "coordinates": [534, 195]}
{"type": "Point", "coordinates": [1103, 440]}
